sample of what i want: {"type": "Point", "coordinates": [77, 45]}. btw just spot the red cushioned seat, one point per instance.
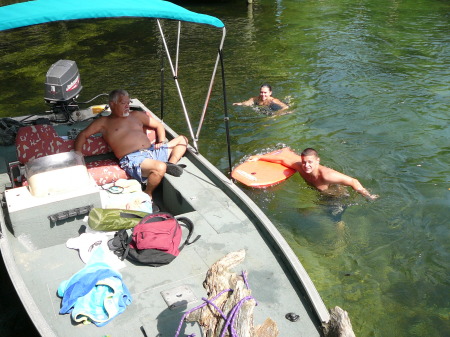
{"type": "Point", "coordinates": [37, 141]}
{"type": "Point", "coordinates": [106, 171]}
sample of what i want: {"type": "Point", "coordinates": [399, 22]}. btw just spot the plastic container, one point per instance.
{"type": "Point", "coordinates": [58, 173]}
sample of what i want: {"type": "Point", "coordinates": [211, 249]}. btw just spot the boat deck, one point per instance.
{"type": "Point", "coordinates": [223, 226]}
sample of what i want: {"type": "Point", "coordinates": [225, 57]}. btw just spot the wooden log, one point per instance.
{"type": "Point", "coordinates": [268, 329]}
{"type": "Point", "coordinates": [339, 324]}
{"type": "Point", "coordinates": [218, 279]}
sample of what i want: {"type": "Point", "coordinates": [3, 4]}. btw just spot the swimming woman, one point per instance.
{"type": "Point", "coordinates": [265, 99]}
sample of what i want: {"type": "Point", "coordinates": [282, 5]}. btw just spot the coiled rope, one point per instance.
{"type": "Point", "coordinates": [230, 319]}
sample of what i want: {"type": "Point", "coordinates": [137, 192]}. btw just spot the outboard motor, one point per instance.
{"type": "Point", "coordinates": [62, 87]}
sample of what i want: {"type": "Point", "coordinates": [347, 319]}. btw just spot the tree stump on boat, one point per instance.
{"type": "Point", "coordinates": [228, 291]}
{"type": "Point", "coordinates": [339, 324]}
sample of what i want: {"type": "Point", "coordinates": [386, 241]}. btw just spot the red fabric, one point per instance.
{"type": "Point", "coordinates": [106, 171]}
{"type": "Point", "coordinates": [37, 141]}
{"type": "Point", "coordinates": [157, 231]}
{"type": "Point", "coordinates": [95, 146]}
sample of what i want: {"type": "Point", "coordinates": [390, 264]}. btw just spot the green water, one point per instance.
{"type": "Point", "coordinates": [369, 86]}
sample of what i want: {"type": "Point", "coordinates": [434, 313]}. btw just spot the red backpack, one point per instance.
{"type": "Point", "coordinates": [155, 240]}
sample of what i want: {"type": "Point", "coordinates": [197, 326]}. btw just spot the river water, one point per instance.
{"type": "Point", "coordinates": [369, 87]}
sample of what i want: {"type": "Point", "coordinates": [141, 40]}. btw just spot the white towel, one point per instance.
{"type": "Point", "coordinates": [87, 243]}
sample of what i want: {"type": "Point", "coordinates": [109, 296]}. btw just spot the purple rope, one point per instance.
{"type": "Point", "coordinates": [239, 305]}
{"type": "Point", "coordinates": [232, 316]}
{"type": "Point", "coordinates": [215, 306]}
{"type": "Point", "coordinates": [230, 320]}
{"type": "Point", "coordinates": [244, 276]}
{"type": "Point", "coordinates": [201, 306]}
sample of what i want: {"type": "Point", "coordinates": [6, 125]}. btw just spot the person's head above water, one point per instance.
{"type": "Point", "coordinates": [309, 152]}
{"type": "Point", "coordinates": [310, 160]}
{"type": "Point", "coordinates": [265, 91]}
{"type": "Point", "coordinates": [265, 85]}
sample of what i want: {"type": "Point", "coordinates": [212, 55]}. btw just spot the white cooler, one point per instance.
{"type": "Point", "coordinates": [52, 208]}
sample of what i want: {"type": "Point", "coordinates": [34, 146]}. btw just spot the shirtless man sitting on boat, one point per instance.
{"type": "Point", "coordinates": [123, 130]}
{"type": "Point", "coordinates": [321, 177]}
{"type": "Point", "coordinates": [265, 99]}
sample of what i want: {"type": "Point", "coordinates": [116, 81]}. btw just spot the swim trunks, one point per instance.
{"type": "Point", "coordinates": [131, 163]}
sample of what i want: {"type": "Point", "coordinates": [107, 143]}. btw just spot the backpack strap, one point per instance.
{"type": "Point", "coordinates": [190, 226]}
{"type": "Point", "coordinates": [131, 215]}
{"type": "Point", "coordinates": [121, 244]}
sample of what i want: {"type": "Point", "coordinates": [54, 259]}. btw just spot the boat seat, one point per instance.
{"type": "Point", "coordinates": [37, 141]}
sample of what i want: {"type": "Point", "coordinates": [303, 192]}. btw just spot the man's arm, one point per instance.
{"type": "Point", "coordinates": [293, 161]}
{"type": "Point", "coordinates": [152, 123]}
{"type": "Point", "coordinates": [93, 128]}
{"type": "Point", "coordinates": [333, 177]}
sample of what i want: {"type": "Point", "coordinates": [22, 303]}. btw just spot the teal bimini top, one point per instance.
{"type": "Point", "coordinates": [42, 11]}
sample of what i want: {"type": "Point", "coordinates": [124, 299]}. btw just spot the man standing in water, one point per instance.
{"type": "Point", "coordinates": [265, 99]}
{"type": "Point", "coordinates": [321, 177]}
{"type": "Point", "coordinates": [123, 130]}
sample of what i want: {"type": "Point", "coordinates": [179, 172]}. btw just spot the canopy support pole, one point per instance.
{"type": "Point", "coordinates": [226, 118]}
{"type": "Point", "coordinates": [208, 95]}
{"type": "Point", "coordinates": [174, 73]}
{"type": "Point", "coordinates": [162, 82]}
{"type": "Point", "coordinates": [178, 48]}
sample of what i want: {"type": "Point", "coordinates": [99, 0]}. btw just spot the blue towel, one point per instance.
{"type": "Point", "coordinates": [96, 293]}
{"type": "Point", "coordinates": [105, 301]}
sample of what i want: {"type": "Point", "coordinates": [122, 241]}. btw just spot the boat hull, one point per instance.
{"type": "Point", "coordinates": [227, 221]}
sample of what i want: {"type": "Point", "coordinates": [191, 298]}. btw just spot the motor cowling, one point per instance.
{"type": "Point", "coordinates": [63, 82]}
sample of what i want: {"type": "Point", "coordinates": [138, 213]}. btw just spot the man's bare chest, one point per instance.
{"type": "Point", "coordinates": [123, 125]}
{"type": "Point", "coordinates": [316, 182]}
